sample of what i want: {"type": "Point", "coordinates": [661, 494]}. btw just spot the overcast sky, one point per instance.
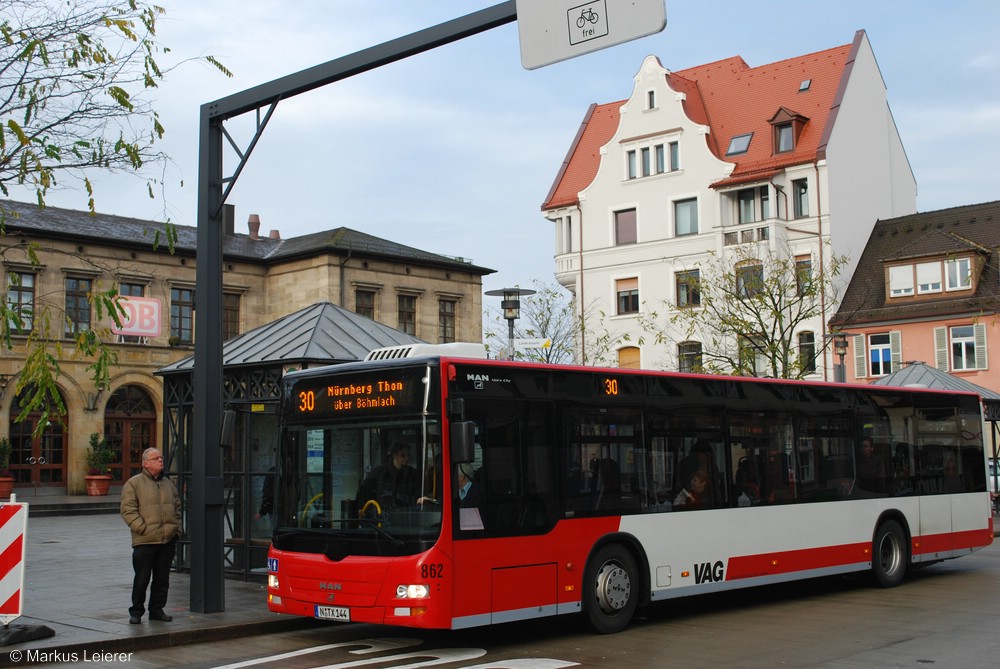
{"type": "Point", "coordinates": [453, 151]}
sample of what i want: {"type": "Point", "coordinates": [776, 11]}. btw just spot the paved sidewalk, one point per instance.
{"type": "Point", "coordinates": [78, 582]}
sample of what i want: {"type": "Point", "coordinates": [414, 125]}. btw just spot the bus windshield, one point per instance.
{"type": "Point", "coordinates": [355, 488]}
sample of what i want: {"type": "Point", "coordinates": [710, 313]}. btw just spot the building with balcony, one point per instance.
{"type": "Point", "coordinates": [795, 158]}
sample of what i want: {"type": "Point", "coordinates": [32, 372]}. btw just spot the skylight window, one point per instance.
{"type": "Point", "coordinates": [804, 86]}
{"type": "Point", "coordinates": [739, 144]}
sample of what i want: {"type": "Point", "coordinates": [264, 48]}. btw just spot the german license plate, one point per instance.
{"type": "Point", "coordinates": [339, 613]}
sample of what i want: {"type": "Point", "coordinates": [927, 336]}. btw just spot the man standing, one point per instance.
{"type": "Point", "coordinates": [151, 508]}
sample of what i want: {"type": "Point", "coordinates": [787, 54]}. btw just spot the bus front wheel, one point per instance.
{"type": "Point", "coordinates": [889, 554]}
{"type": "Point", "coordinates": [611, 589]}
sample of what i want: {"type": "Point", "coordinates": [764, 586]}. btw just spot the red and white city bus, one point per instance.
{"type": "Point", "coordinates": [596, 491]}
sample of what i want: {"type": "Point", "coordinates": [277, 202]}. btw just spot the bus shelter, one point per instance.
{"type": "Point", "coordinates": [253, 365]}
{"type": "Point", "coordinates": [922, 375]}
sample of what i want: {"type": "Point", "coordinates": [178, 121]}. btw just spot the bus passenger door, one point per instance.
{"type": "Point", "coordinates": [935, 504]}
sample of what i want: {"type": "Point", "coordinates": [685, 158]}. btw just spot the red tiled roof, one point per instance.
{"type": "Point", "coordinates": [733, 99]}
{"type": "Point", "coordinates": [584, 156]}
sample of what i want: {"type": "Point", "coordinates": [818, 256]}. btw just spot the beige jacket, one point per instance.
{"type": "Point", "coordinates": [151, 509]}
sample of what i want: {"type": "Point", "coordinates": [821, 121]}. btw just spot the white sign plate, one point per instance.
{"type": "Point", "coordinates": [555, 30]}
{"type": "Point", "coordinates": [532, 343]}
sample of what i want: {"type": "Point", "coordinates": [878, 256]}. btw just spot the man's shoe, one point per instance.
{"type": "Point", "coordinates": [161, 616]}
{"type": "Point", "coordinates": [135, 620]}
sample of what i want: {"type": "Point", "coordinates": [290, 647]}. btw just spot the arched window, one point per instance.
{"type": "Point", "coordinates": [628, 357]}
{"type": "Point", "coordinates": [130, 428]}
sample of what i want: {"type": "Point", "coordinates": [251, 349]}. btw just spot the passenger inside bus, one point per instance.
{"type": "Point", "coordinates": [702, 459]}
{"type": "Point", "coordinates": [470, 494]}
{"type": "Point", "coordinates": [746, 488]}
{"type": "Point", "coordinates": [693, 496]}
{"type": "Point", "coordinates": [393, 483]}
{"type": "Point", "coordinates": [871, 468]}
{"type": "Point", "coordinates": [470, 497]}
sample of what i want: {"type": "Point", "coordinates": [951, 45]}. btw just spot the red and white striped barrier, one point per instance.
{"type": "Point", "coordinates": [13, 528]}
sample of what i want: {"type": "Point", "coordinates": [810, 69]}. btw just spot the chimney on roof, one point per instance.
{"type": "Point", "coordinates": [254, 224]}
{"type": "Point", "coordinates": [275, 234]}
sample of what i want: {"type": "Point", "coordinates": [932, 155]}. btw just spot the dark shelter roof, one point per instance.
{"type": "Point", "coordinates": [922, 375]}
{"type": "Point", "coordinates": [322, 333]}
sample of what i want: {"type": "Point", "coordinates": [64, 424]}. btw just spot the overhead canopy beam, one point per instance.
{"type": "Point", "coordinates": [364, 60]}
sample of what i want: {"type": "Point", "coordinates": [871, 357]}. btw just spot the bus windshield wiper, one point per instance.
{"type": "Point", "coordinates": [374, 524]}
{"type": "Point", "coordinates": [368, 522]}
{"type": "Point", "coordinates": [288, 531]}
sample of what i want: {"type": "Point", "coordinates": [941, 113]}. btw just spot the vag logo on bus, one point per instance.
{"type": "Point", "coordinates": [709, 572]}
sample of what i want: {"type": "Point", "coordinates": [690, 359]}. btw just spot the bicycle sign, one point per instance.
{"type": "Point", "coordinates": [554, 30]}
{"type": "Point", "coordinates": [591, 21]}
{"type": "Point", "coordinates": [586, 15]}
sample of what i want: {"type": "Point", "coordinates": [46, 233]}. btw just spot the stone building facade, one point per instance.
{"type": "Point", "coordinates": [55, 258]}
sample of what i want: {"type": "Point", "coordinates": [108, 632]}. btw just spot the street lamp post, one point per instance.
{"type": "Point", "coordinates": [511, 306]}
{"type": "Point", "coordinates": [840, 348]}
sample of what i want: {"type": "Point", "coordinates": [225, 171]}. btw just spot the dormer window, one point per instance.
{"type": "Point", "coordinates": [783, 139]}
{"type": "Point", "coordinates": [901, 281]}
{"type": "Point", "coordinates": [739, 144]}
{"type": "Point", "coordinates": [930, 277]}
{"type": "Point", "coordinates": [788, 127]}
{"type": "Point", "coordinates": [959, 271]}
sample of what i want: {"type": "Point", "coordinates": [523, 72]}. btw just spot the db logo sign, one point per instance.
{"type": "Point", "coordinates": [141, 317]}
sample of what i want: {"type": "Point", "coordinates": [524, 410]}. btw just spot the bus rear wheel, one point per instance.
{"type": "Point", "coordinates": [611, 592]}
{"type": "Point", "coordinates": [889, 554]}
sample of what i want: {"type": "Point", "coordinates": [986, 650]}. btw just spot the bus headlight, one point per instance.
{"type": "Point", "coordinates": [411, 591]}
{"type": "Point", "coordinates": [272, 581]}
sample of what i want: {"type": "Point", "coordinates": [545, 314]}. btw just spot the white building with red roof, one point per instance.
{"type": "Point", "coordinates": [799, 156]}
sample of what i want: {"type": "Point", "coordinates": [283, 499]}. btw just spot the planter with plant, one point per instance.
{"type": "Point", "coordinates": [6, 476]}
{"type": "Point", "coordinates": [99, 458]}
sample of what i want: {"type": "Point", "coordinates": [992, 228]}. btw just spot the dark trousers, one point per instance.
{"type": "Point", "coordinates": [151, 561]}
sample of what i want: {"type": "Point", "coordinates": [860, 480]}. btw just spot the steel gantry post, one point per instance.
{"type": "Point", "coordinates": [205, 499]}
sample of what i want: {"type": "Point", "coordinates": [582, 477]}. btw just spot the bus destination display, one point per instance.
{"type": "Point", "coordinates": [357, 395]}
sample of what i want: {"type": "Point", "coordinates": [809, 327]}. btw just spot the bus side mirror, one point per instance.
{"type": "Point", "coordinates": [463, 440]}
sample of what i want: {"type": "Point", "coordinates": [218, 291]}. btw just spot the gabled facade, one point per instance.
{"type": "Point", "coordinates": [796, 157]}
{"type": "Point", "coordinates": [425, 296]}
{"type": "Point", "coordinates": [926, 289]}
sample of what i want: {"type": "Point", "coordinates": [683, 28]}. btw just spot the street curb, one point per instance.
{"type": "Point", "coordinates": [131, 644]}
